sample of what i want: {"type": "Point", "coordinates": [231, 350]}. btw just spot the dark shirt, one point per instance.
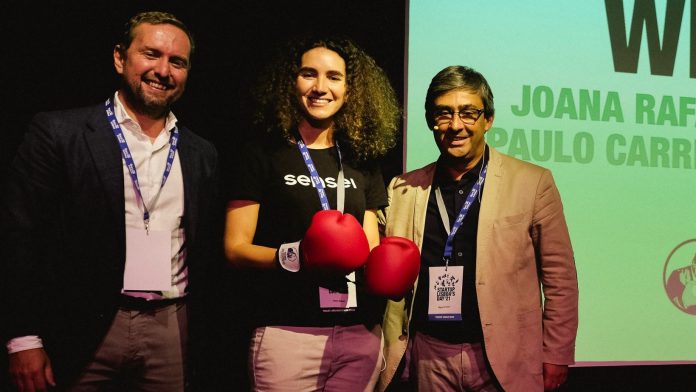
{"type": "Point", "coordinates": [454, 194]}
{"type": "Point", "coordinates": [276, 176]}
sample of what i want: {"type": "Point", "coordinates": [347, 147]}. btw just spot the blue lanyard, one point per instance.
{"type": "Point", "coordinates": [318, 183]}
{"type": "Point", "coordinates": [128, 158]}
{"type": "Point", "coordinates": [470, 199]}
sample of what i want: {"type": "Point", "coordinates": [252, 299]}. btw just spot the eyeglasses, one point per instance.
{"type": "Point", "coordinates": [446, 116]}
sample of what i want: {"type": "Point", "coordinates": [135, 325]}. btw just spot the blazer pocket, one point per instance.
{"type": "Point", "coordinates": [530, 317]}
{"type": "Point", "coordinates": [512, 220]}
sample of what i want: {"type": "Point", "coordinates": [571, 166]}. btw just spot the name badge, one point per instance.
{"type": "Point", "coordinates": [445, 293]}
{"type": "Point", "coordinates": [148, 260]}
{"type": "Point", "coordinates": [337, 301]}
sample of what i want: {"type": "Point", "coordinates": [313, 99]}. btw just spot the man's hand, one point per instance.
{"type": "Point", "coordinates": [554, 376]}
{"type": "Point", "coordinates": [31, 370]}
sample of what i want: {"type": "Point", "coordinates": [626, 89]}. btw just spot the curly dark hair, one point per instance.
{"type": "Point", "coordinates": [367, 123]}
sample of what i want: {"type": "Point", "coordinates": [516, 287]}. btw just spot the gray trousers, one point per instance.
{"type": "Point", "coordinates": [144, 350]}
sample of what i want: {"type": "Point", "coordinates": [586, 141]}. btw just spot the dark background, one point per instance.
{"type": "Point", "coordinates": [58, 54]}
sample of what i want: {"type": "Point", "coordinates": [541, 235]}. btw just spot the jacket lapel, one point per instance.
{"type": "Point", "coordinates": [421, 203]}
{"type": "Point", "coordinates": [106, 156]}
{"type": "Point", "coordinates": [492, 197]}
{"type": "Point", "coordinates": [189, 167]}
{"type": "Point", "coordinates": [491, 191]}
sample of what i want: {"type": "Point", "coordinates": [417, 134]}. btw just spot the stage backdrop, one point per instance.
{"type": "Point", "coordinates": [603, 93]}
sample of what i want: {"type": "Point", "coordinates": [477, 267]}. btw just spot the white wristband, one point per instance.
{"type": "Point", "coordinates": [289, 256]}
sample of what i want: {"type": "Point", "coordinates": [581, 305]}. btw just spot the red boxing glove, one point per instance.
{"type": "Point", "coordinates": [392, 267]}
{"type": "Point", "coordinates": [335, 244]}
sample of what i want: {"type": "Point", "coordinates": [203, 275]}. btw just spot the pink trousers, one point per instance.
{"type": "Point", "coordinates": [442, 366]}
{"type": "Point", "coordinates": [315, 359]}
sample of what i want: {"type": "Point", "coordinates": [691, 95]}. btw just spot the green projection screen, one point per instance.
{"type": "Point", "coordinates": [603, 93]}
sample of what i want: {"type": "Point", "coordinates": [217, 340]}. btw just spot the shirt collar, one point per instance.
{"type": "Point", "coordinates": [129, 123]}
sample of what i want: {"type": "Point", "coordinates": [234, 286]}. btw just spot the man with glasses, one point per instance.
{"type": "Point", "coordinates": [493, 239]}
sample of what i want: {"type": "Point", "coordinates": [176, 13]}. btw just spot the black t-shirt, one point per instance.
{"type": "Point", "coordinates": [276, 176]}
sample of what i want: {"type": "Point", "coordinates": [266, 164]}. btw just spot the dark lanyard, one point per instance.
{"type": "Point", "coordinates": [130, 164]}
{"type": "Point", "coordinates": [319, 184]}
{"type": "Point", "coordinates": [470, 199]}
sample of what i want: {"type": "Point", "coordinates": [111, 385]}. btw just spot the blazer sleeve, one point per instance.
{"type": "Point", "coordinates": [32, 186]}
{"type": "Point", "coordinates": [554, 256]}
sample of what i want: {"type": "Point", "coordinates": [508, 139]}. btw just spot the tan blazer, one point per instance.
{"type": "Point", "coordinates": [523, 246]}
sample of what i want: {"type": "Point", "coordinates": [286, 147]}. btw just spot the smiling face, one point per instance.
{"type": "Point", "coordinates": [460, 144]}
{"type": "Point", "coordinates": [321, 86]}
{"type": "Point", "coordinates": [154, 68]}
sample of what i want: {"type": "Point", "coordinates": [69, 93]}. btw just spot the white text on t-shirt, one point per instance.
{"type": "Point", "coordinates": [328, 182]}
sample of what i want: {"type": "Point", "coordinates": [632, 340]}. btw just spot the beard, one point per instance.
{"type": "Point", "coordinates": [153, 107]}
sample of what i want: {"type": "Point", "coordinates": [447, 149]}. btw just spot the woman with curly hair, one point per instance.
{"type": "Point", "coordinates": [328, 112]}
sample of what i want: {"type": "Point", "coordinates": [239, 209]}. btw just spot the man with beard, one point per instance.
{"type": "Point", "coordinates": [107, 216]}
